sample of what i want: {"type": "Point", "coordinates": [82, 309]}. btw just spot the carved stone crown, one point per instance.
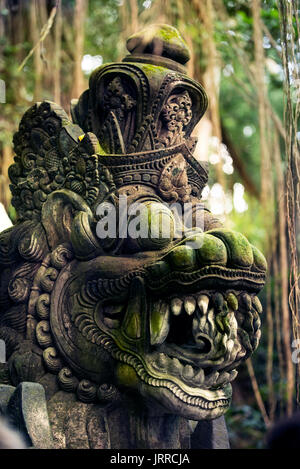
{"type": "Point", "coordinates": [145, 109]}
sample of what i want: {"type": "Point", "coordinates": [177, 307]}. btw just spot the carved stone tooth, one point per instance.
{"type": "Point", "coordinates": [159, 322]}
{"type": "Point", "coordinates": [188, 372]}
{"type": "Point", "coordinates": [230, 345]}
{"type": "Point", "coordinates": [223, 378]}
{"type": "Point", "coordinates": [176, 306]}
{"type": "Point", "coordinates": [193, 423]}
{"type": "Point", "coordinates": [203, 302]}
{"type": "Point", "coordinates": [135, 309]}
{"type": "Point", "coordinates": [210, 324]}
{"type": "Point", "coordinates": [257, 334]}
{"type": "Point", "coordinates": [189, 305]}
{"type": "Point", "coordinates": [199, 377]}
{"type": "Point", "coordinates": [246, 301]}
{"type": "Point", "coordinates": [201, 322]}
{"type": "Point", "coordinates": [176, 366]}
{"type": "Point", "coordinates": [257, 304]}
{"type": "Point", "coordinates": [194, 401]}
{"type": "Point", "coordinates": [241, 354]}
{"type": "Point", "coordinates": [232, 375]}
{"type": "Point", "coordinates": [232, 301]}
{"type": "Point", "coordinates": [218, 301]}
{"type": "Point", "coordinates": [212, 378]}
{"type": "Point", "coordinates": [162, 360]}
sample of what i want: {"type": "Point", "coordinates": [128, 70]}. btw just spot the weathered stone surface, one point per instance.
{"type": "Point", "coordinates": [159, 41]}
{"type": "Point", "coordinates": [6, 392]}
{"type": "Point", "coordinates": [132, 335]}
{"type": "Point", "coordinates": [27, 409]}
{"type": "Point", "coordinates": [211, 435]}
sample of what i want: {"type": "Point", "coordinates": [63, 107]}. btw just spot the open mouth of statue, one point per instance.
{"type": "Point", "coordinates": [183, 323]}
{"type": "Point", "coordinates": [193, 341]}
{"type": "Point", "coordinates": [197, 339]}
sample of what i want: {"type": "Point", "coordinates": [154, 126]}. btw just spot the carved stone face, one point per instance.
{"type": "Point", "coordinates": [176, 327]}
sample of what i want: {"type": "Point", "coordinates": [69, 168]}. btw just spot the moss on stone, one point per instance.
{"type": "Point", "coordinates": [212, 251]}
{"type": "Point", "coordinates": [239, 250]}
{"type": "Point", "coordinates": [182, 258]}
{"type": "Point", "coordinates": [259, 259]}
{"type": "Point", "coordinates": [160, 37]}
{"type": "Point", "coordinates": [232, 301]}
{"type": "Point", "coordinates": [159, 269]}
{"type": "Point", "coordinates": [126, 376]}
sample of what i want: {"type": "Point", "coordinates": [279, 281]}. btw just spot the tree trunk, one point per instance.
{"type": "Point", "coordinates": [211, 76]}
{"type": "Point", "coordinates": [284, 276]}
{"type": "Point", "coordinates": [79, 20]}
{"type": "Point", "coordinates": [57, 54]}
{"type": "Point", "coordinates": [37, 61]}
{"type": "Point", "coordinates": [261, 94]}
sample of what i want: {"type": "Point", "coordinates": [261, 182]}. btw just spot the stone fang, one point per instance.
{"type": "Point", "coordinates": [132, 321]}
{"type": "Point", "coordinates": [162, 360]}
{"type": "Point", "coordinates": [203, 302]}
{"type": "Point", "coordinates": [188, 372]}
{"type": "Point", "coordinates": [176, 306]}
{"type": "Point", "coordinates": [175, 366]}
{"type": "Point", "coordinates": [199, 377]}
{"type": "Point", "coordinates": [190, 305]}
{"type": "Point", "coordinates": [212, 378]}
{"type": "Point", "coordinates": [159, 322]}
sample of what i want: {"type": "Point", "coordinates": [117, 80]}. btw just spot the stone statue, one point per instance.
{"type": "Point", "coordinates": [122, 340]}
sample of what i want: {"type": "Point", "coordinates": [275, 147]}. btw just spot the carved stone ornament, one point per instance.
{"type": "Point", "coordinates": [135, 340]}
